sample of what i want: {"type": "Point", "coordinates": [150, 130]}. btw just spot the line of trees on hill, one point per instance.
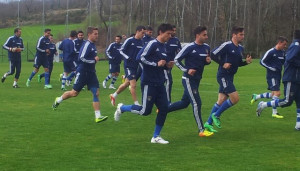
{"type": "Point", "coordinates": [264, 20]}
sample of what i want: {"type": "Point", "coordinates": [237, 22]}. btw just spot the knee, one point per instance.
{"type": "Point", "coordinates": [235, 100]}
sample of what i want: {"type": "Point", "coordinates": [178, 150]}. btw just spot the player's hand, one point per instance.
{"type": "Point", "coordinates": [249, 59]}
{"type": "Point", "coordinates": [227, 65]}
{"type": "Point", "coordinates": [161, 63]}
{"type": "Point", "coordinates": [14, 49]}
{"type": "Point", "coordinates": [18, 50]}
{"type": "Point", "coordinates": [208, 59]}
{"type": "Point", "coordinates": [191, 72]}
{"type": "Point", "coordinates": [47, 51]}
{"type": "Point", "coordinates": [97, 58]}
{"type": "Point", "coordinates": [170, 64]}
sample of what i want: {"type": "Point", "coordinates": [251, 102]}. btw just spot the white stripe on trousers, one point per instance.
{"type": "Point", "coordinates": [195, 105]}
{"type": "Point", "coordinates": [287, 94]}
{"type": "Point", "coordinates": [167, 85]}
{"type": "Point", "coordinates": [145, 94]}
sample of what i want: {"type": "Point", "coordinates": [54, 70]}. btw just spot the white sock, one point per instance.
{"type": "Point", "coordinates": [115, 94]}
{"type": "Point", "coordinates": [15, 83]}
{"type": "Point", "coordinates": [5, 75]}
{"type": "Point", "coordinates": [137, 103]}
{"type": "Point", "coordinates": [274, 111]}
{"type": "Point", "coordinates": [97, 113]}
{"type": "Point", "coordinates": [264, 105]}
{"type": "Point", "coordinates": [59, 100]}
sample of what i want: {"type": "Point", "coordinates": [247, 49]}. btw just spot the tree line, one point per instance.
{"type": "Point", "coordinates": [263, 20]}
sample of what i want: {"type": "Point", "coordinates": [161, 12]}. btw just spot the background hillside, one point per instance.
{"type": "Point", "coordinates": [264, 20]}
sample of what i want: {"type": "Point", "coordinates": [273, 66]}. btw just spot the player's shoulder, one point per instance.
{"type": "Point", "coordinates": [206, 45]}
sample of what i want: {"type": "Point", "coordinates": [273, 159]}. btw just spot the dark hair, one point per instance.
{"type": "Point", "coordinates": [199, 29]}
{"type": "Point", "coordinates": [51, 35]}
{"type": "Point", "coordinates": [132, 35]}
{"type": "Point", "coordinates": [119, 37]}
{"type": "Point", "coordinates": [90, 29]}
{"type": "Point", "coordinates": [236, 29]}
{"type": "Point", "coordinates": [282, 39]}
{"type": "Point", "coordinates": [164, 27]}
{"type": "Point", "coordinates": [173, 26]}
{"type": "Point", "coordinates": [297, 34]}
{"type": "Point", "coordinates": [16, 29]}
{"type": "Point", "coordinates": [149, 28]}
{"type": "Point", "coordinates": [46, 30]}
{"type": "Point", "coordinates": [80, 31]}
{"type": "Point", "coordinates": [73, 33]}
{"type": "Point", "coordinates": [140, 28]}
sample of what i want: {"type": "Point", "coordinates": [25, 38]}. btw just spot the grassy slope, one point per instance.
{"type": "Point", "coordinates": [34, 137]}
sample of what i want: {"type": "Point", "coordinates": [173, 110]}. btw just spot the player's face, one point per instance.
{"type": "Point", "coordinates": [149, 32]}
{"type": "Point", "coordinates": [166, 35]}
{"type": "Point", "coordinates": [94, 36]}
{"type": "Point", "coordinates": [117, 40]}
{"type": "Point", "coordinates": [51, 38]}
{"type": "Point", "coordinates": [174, 32]}
{"type": "Point", "coordinates": [239, 37]}
{"type": "Point", "coordinates": [18, 34]}
{"type": "Point", "coordinates": [80, 36]}
{"type": "Point", "coordinates": [282, 45]}
{"type": "Point", "coordinates": [202, 37]}
{"type": "Point", "coordinates": [47, 34]}
{"type": "Point", "coordinates": [139, 34]}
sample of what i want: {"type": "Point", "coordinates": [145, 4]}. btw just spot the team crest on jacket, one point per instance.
{"type": "Point", "coordinates": [149, 98]}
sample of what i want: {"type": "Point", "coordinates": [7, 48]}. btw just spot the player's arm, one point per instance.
{"type": "Point", "coordinates": [124, 47]}
{"type": "Point", "coordinates": [144, 55]}
{"type": "Point", "coordinates": [7, 45]}
{"type": "Point", "coordinates": [84, 52]}
{"type": "Point", "coordinates": [293, 55]}
{"type": "Point", "coordinates": [217, 53]}
{"type": "Point", "coordinates": [265, 60]}
{"type": "Point", "coordinates": [108, 50]}
{"type": "Point", "coordinates": [39, 46]}
{"type": "Point", "coordinates": [61, 46]}
{"type": "Point", "coordinates": [180, 56]}
{"type": "Point", "coordinates": [21, 48]}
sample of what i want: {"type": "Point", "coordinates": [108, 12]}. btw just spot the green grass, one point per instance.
{"type": "Point", "coordinates": [34, 137]}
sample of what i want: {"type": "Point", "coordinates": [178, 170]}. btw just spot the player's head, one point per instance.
{"type": "Point", "coordinates": [174, 31]}
{"type": "Point", "coordinates": [281, 43]}
{"type": "Point", "coordinates": [73, 34]}
{"type": "Point", "coordinates": [92, 34]}
{"type": "Point", "coordinates": [164, 32]}
{"type": "Point", "coordinates": [297, 34]}
{"type": "Point", "coordinates": [118, 39]}
{"type": "Point", "coordinates": [149, 31]}
{"type": "Point", "coordinates": [238, 34]}
{"type": "Point", "coordinates": [18, 32]}
{"type": "Point", "coordinates": [51, 37]}
{"type": "Point", "coordinates": [47, 32]}
{"type": "Point", "coordinates": [200, 33]}
{"type": "Point", "coordinates": [139, 32]}
{"type": "Point", "coordinates": [80, 35]}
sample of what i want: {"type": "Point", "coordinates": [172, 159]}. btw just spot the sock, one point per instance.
{"type": "Point", "coordinates": [137, 103]}
{"type": "Point", "coordinates": [15, 83]}
{"type": "Point", "coordinates": [227, 104]}
{"type": "Point", "coordinates": [115, 94]}
{"type": "Point", "coordinates": [264, 95]}
{"type": "Point", "coordinates": [97, 113]}
{"type": "Point", "coordinates": [213, 110]}
{"type": "Point", "coordinates": [46, 78]}
{"type": "Point", "coordinates": [274, 111]}
{"type": "Point", "coordinates": [114, 79]}
{"type": "Point", "coordinates": [157, 131]}
{"type": "Point", "coordinates": [108, 77]}
{"type": "Point", "coordinates": [5, 75]}
{"type": "Point", "coordinates": [273, 103]}
{"type": "Point", "coordinates": [126, 108]}
{"type": "Point", "coordinates": [63, 81]}
{"type": "Point", "coordinates": [59, 100]}
{"type": "Point", "coordinates": [32, 75]}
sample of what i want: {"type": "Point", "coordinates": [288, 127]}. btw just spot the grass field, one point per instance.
{"type": "Point", "coordinates": [34, 137]}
